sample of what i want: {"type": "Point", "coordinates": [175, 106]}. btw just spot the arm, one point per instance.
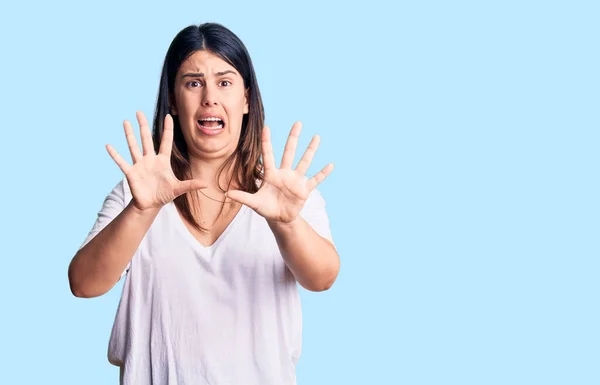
{"type": "Point", "coordinates": [295, 212]}
{"type": "Point", "coordinates": [98, 265]}
{"type": "Point", "coordinates": [310, 257]}
{"type": "Point", "coordinates": [120, 228]}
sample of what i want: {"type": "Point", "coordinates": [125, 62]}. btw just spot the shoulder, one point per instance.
{"type": "Point", "coordinates": [314, 203]}
{"type": "Point", "coordinates": [120, 192]}
{"type": "Point", "coordinates": [126, 190]}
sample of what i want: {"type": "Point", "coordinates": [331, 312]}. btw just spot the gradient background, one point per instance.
{"type": "Point", "coordinates": [464, 203]}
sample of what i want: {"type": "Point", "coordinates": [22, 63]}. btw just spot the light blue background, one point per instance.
{"type": "Point", "coordinates": [464, 202]}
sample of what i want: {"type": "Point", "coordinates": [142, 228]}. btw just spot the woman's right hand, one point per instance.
{"type": "Point", "coordinates": [151, 179]}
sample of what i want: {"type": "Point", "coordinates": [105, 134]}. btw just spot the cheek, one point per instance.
{"type": "Point", "coordinates": [242, 107]}
{"type": "Point", "coordinates": [186, 111]}
{"type": "Point", "coordinates": [189, 106]}
{"type": "Point", "coordinates": [240, 110]}
{"type": "Point", "coordinates": [186, 103]}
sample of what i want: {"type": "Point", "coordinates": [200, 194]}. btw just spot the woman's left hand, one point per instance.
{"type": "Point", "coordinates": [284, 190]}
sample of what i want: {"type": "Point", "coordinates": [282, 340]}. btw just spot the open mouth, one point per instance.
{"type": "Point", "coordinates": [211, 123]}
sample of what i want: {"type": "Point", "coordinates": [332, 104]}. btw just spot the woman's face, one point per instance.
{"type": "Point", "coordinates": [210, 101]}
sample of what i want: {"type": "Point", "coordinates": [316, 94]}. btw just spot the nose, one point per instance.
{"type": "Point", "coordinates": [209, 96]}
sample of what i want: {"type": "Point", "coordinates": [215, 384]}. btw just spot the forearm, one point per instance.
{"type": "Point", "coordinates": [311, 258]}
{"type": "Point", "coordinates": [97, 266]}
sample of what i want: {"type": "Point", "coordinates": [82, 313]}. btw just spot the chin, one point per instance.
{"type": "Point", "coordinates": [213, 148]}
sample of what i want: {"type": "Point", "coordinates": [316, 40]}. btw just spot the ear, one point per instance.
{"type": "Point", "coordinates": [246, 101]}
{"type": "Point", "coordinates": [172, 107]}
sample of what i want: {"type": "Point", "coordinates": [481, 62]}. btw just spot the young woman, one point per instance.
{"type": "Point", "coordinates": [211, 236]}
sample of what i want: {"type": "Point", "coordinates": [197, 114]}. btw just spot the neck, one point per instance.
{"type": "Point", "coordinates": [207, 170]}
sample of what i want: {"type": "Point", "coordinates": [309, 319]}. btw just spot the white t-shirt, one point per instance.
{"type": "Point", "coordinates": [227, 314]}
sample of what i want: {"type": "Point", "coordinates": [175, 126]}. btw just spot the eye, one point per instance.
{"type": "Point", "coordinates": [193, 84]}
{"type": "Point", "coordinates": [225, 83]}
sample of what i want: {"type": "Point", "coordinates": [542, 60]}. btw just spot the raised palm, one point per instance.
{"type": "Point", "coordinates": [151, 177]}
{"type": "Point", "coordinates": [284, 190]}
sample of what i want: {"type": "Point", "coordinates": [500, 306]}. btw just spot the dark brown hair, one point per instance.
{"type": "Point", "coordinates": [246, 160]}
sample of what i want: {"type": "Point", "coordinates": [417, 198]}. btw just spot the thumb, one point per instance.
{"type": "Point", "coordinates": [243, 198]}
{"type": "Point", "coordinates": [187, 186]}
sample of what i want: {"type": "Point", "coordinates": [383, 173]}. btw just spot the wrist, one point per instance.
{"type": "Point", "coordinates": [151, 212]}
{"type": "Point", "coordinates": [285, 226]}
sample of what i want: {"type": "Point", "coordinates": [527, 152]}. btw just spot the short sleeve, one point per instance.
{"type": "Point", "coordinates": [315, 214]}
{"type": "Point", "coordinates": [113, 204]}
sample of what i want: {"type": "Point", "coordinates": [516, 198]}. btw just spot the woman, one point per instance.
{"type": "Point", "coordinates": [211, 239]}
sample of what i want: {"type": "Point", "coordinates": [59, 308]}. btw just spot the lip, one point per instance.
{"type": "Point", "coordinates": [208, 131]}
{"type": "Point", "coordinates": [210, 115]}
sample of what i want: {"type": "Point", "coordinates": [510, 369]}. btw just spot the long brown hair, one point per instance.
{"type": "Point", "coordinates": [245, 162]}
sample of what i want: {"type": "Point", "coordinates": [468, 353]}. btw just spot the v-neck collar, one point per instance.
{"type": "Point", "coordinates": [191, 239]}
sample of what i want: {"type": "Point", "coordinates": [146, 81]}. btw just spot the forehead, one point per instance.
{"type": "Point", "coordinates": [205, 62]}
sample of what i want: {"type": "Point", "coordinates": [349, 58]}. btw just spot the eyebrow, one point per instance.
{"type": "Point", "coordinates": [201, 75]}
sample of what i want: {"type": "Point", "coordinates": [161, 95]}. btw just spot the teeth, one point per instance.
{"type": "Point", "coordinates": [211, 119]}
{"type": "Point", "coordinates": [214, 128]}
